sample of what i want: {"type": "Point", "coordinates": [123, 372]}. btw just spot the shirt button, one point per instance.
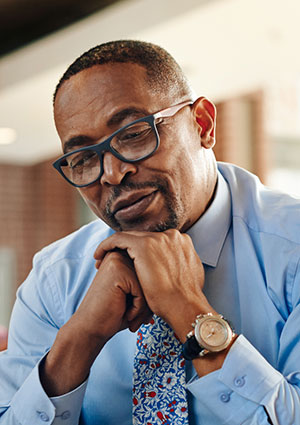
{"type": "Point", "coordinates": [66, 415]}
{"type": "Point", "coordinates": [43, 416]}
{"type": "Point", "coordinates": [239, 382]}
{"type": "Point", "coordinates": [225, 397]}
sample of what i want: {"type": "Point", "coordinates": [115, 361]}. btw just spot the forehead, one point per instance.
{"type": "Point", "coordinates": [103, 89]}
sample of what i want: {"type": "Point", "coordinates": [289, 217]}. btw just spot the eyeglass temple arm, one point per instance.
{"type": "Point", "coordinates": [169, 112]}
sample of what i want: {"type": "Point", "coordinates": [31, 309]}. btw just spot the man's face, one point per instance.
{"type": "Point", "coordinates": [170, 189]}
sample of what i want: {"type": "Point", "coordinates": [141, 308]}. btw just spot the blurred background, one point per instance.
{"type": "Point", "coordinates": [242, 54]}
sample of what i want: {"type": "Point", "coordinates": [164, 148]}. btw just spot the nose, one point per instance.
{"type": "Point", "coordinates": [114, 170]}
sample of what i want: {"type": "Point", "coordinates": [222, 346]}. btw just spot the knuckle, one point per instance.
{"type": "Point", "coordinates": [113, 255]}
{"type": "Point", "coordinates": [172, 232]}
{"type": "Point", "coordinates": [114, 258]}
{"type": "Point", "coordinates": [186, 237]}
{"type": "Point", "coordinates": [175, 235]}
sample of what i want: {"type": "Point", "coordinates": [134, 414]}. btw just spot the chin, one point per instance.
{"type": "Point", "coordinates": [141, 225]}
{"type": "Point", "coordinates": [159, 222]}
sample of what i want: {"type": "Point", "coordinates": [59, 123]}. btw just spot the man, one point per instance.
{"type": "Point", "coordinates": [188, 241]}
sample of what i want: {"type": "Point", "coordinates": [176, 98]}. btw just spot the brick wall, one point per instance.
{"type": "Point", "coordinates": [36, 208]}
{"type": "Point", "coordinates": [241, 134]}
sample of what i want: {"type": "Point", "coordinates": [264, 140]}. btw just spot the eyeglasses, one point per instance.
{"type": "Point", "coordinates": [133, 142]}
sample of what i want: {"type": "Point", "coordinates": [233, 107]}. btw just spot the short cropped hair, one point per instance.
{"type": "Point", "coordinates": [162, 71]}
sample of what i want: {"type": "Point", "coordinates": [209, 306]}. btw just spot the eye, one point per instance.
{"type": "Point", "coordinates": [134, 133]}
{"type": "Point", "coordinates": [82, 159]}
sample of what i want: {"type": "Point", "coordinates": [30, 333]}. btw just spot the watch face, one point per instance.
{"type": "Point", "coordinates": [213, 333]}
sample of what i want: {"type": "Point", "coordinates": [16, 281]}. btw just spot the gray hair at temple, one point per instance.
{"type": "Point", "coordinates": [163, 72]}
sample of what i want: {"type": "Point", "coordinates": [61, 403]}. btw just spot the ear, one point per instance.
{"type": "Point", "coordinates": [205, 115]}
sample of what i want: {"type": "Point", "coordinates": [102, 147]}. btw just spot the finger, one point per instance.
{"type": "Point", "coordinates": [138, 305]}
{"type": "Point", "coordinates": [137, 233]}
{"type": "Point", "coordinates": [138, 313]}
{"type": "Point", "coordinates": [124, 254]}
{"type": "Point", "coordinates": [135, 324]}
{"type": "Point", "coordinates": [138, 308]}
{"type": "Point", "coordinates": [120, 240]}
{"type": "Point", "coordinates": [136, 317]}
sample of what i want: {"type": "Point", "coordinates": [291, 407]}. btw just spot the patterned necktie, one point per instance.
{"type": "Point", "coordinates": [159, 394]}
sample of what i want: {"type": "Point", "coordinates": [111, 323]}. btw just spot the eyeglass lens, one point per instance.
{"type": "Point", "coordinates": [132, 143]}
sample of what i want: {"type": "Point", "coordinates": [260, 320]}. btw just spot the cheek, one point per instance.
{"type": "Point", "coordinates": [179, 173]}
{"type": "Point", "coordinates": [182, 169]}
{"type": "Point", "coordinates": [186, 180]}
{"type": "Point", "coordinates": [91, 196]}
{"type": "Point", "coordinates": [179, 151]}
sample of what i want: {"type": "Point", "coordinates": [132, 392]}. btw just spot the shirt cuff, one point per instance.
{"type": "Point", "coordinates": [235, 392]}
{"type": "Point", "coordinates": [68, 406]}
{"type": "Point", "coordinates": [31, 405]}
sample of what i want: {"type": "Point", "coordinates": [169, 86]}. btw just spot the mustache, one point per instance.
{"type": "Point", "coordinates": [124, 187]}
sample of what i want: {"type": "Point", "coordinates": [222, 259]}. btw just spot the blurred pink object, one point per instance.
{"type": "Point", "coordinates": [3, 337]}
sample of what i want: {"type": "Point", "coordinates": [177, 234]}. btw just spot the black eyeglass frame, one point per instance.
{"type": "Point", "coordinates": [104, 146]}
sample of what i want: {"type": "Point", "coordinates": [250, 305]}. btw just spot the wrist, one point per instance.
{"type": "Point", "coordinates": [211, 334]}
{"type": "Point", "coordinates": [214, 361]}
{"type": "Point", "coordinates": [214, 339]}
{"type": "Point", "coordinates": [183, 318]}
{"type": "Point", "coordinates": [68, 363]}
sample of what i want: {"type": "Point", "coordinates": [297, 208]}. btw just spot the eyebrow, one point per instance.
{"type": "Point", "coordinates": [116, 119]}
{"type": "Point", "coordinates": [120, 116]}
{"type": "Point", "coordinates": [76, 142]}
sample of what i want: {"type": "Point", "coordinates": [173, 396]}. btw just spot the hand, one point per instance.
{"type": "Point", "coordinates": [169, 271]}
{"type": "Point", "coordinates": [114, 301]}
{"type": "Point", "coordinates": [104, 311]}
{"type": "Point", "coordinates": [172, 277]}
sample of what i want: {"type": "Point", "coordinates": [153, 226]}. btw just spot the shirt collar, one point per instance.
{"type": "Point", "coordinates": [209, 232]}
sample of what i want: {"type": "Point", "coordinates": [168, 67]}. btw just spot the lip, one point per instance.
{"type": "Point", "coordinates": [134, 204]}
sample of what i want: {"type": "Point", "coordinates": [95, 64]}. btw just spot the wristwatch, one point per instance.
{"type": "Point", "coordinates": [211, 334]}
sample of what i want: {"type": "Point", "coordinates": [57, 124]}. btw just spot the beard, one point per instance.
{"type": "Point", "coordinates": [171, 204]}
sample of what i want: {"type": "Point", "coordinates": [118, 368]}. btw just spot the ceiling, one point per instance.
{"type": "Point", "coordinates": [226, 48]}
{"type": "Point", "coordinates": [25, 21]}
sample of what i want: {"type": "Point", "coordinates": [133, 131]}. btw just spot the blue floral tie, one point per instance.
{"type": "Point", "coordinates": [159, 394]}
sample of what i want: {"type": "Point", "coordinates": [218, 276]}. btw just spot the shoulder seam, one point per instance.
{"type": "Point", "coordinates": [293, 281]}
{"type": "Point", "coordinates": [47, 262]}
{"type": "Point", "coordinates": [263, 231]}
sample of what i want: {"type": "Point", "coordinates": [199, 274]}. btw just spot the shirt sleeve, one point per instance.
{"type": "Point", "coordinates": [36, 318]}
{"type": "Point", "coordinates": [248, 390]}
{"type": "Point", "coordinates": [31, 405]}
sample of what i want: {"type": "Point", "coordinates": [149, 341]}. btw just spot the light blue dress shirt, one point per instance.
{"type": "Point", "coordinates": [249, 242]}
